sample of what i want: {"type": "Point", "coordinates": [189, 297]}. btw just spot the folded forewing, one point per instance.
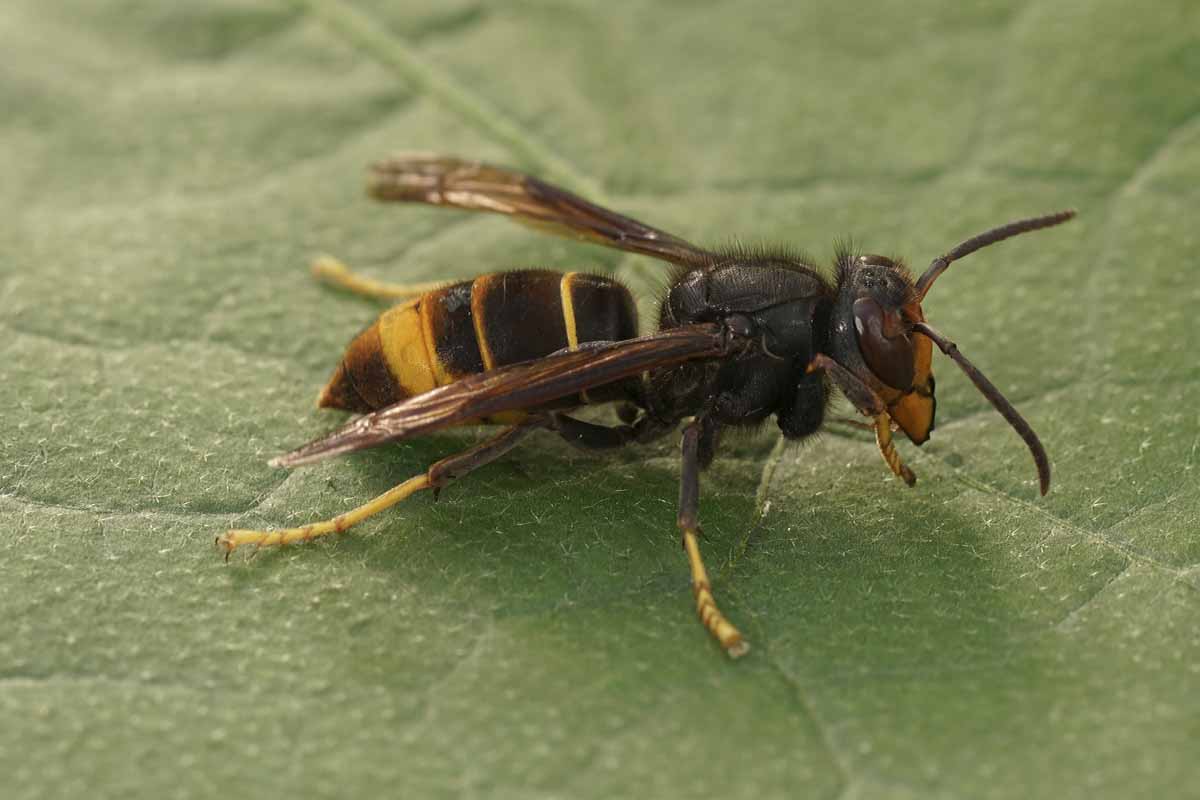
{"type": "Point", "coordinates": [516, 387]}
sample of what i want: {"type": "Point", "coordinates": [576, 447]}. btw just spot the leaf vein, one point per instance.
{"type": "Point", "coordinates": [360, 30]}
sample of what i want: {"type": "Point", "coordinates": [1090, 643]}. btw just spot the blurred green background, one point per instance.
{"type": "Point", "coordinates": [170, 169]}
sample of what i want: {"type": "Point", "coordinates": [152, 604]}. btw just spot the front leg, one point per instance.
{"type": "Point", "coordinates": [689, 525]}
{"type": "Point", "coordinates": [869, 404]}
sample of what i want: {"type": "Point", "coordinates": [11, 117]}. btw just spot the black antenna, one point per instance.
{"type": "Point", "coordinates": [940, 263]}
{"type": "Point", "coordinates": [999, 401]}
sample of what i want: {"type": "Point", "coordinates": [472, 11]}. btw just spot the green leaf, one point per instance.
{"type": "Point", "coordinates": [169, 170]}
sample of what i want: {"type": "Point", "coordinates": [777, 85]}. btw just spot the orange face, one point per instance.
{"type": "Point", "coordinates": [913, 410]}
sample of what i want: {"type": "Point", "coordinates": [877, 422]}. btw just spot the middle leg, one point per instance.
{"type": "Point", "coordinates": [688, 520]}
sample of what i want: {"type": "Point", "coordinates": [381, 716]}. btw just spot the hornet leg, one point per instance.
{"type": "Point", "coordinates": [437, 476]}
{"type": "Point", "coordinates": [334, 272]}
{"type": "Point", "coordinates": [868, 404]}
{"type": "Point", "coordinates": [689, 524]}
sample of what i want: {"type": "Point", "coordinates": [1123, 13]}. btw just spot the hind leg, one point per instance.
{"type": "Point", "coordinates": [437, 476]}
{"type": "Point", "coordinates": [329, 270]}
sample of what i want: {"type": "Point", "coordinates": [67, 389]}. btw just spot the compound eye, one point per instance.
{"type": "Point", "coordinates": [885, 344]}
{"type": "Point", "coordinates": [875, 260]}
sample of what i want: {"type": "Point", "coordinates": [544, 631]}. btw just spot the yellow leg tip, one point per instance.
{"type": "Point", "coordinates": [328, 267]}
{"type": "Point", "coordinates": [887, 449]}
{"type": "Point", "coordinates": [231, 540]}
{"type": "Point", "coordinates": [738, 648]}
{"type": "Point", "coordinates": [729, 637]}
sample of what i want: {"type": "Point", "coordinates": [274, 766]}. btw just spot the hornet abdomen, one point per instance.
{"type": "Point", "coordinates": [469, 327]}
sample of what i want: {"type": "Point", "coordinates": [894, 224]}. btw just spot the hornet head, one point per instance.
{"type": "Point", "coordinates": [880, 334]}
